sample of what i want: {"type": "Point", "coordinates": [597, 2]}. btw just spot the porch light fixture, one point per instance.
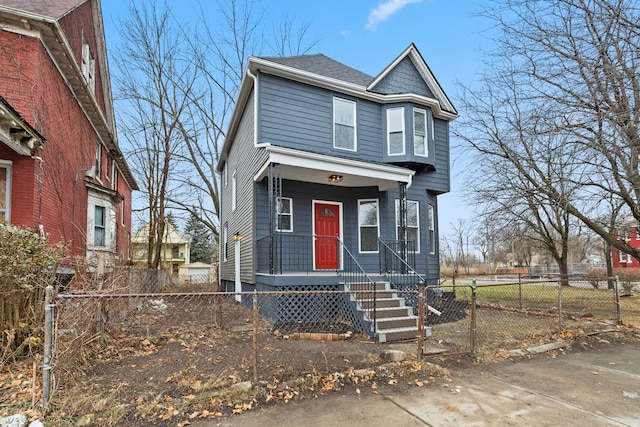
{"type": "Point", "coordinates": [237, 236]}
{"type": "Point", "coordinates": [335, 178]}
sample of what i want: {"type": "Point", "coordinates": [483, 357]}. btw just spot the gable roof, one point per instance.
{"type": "Point", "coordinates": [418, 61]}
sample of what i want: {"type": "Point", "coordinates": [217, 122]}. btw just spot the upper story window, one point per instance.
{"type": "Point", "coordinates": [285, 214]}
{"type": "Point", "coordinates": [395, 131]}
{"type": "Point", "coordinates": [344, 124]}
{"type": "Point", "coordinates": [368, 221]}
{"type": "Point", "coordinates": [420, 143]}
{"type": "Point", "coordinates": [5, 192]}
{"type": "Point", "coordinates": [413, 223]}
{"type": "Point", "coordinates": [88, 67]}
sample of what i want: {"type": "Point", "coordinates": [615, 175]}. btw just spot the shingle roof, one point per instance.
{"type": "Point", "coordinates": [55, 9]}
{"type": "Point", "coordinates": [324, 66]}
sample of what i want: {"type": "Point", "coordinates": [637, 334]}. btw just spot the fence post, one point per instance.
{"type": "Point", "coordinates": [560, 304]}
{"type": "Point", "coordinates": [617, 300]}
{"type": "Point", "coordinates": [520, 289]}
{"type": "Point", "coordinates": [420, 321]}
{"type": "Point", "coordinates": [255, 338]}
{"type": "Point", "coordinates": [48, 344]}
{"type": "Point", "coordinates": [474, 349]}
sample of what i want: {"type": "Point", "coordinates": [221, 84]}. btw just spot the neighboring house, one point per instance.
{"type": "Point", "coordinates": [61, 170]}
{"type": "Point", "coordinates": [327, 169]}
{"type": "Point", "coordinates": [174, 252]}
{"type": "Point", "coordinates": [629, 231]}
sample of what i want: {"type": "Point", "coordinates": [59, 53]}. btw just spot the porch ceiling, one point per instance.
{"type": "Point", "coordinates": [316, 168]}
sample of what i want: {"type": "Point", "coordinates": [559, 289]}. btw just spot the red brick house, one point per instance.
{"type": "Point", "coordinates": [61, 169]}
{"type": "Point", "coordinates": [629, 231]}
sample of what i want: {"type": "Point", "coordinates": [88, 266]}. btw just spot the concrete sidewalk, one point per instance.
{"type": "Point", "coordinates": [594, 387]}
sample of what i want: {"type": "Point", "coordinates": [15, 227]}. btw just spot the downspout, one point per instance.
{"type": "Point", "coordinates": [255, 111]}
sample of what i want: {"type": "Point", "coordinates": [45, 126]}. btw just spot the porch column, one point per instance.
{"type": "Point", "coordinates": [275, 193]}
{"type": "Point", "coordinates": [403, 247]}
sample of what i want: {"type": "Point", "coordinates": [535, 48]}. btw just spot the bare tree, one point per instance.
{"type": "Point", "coordinates": [564, 71]}
{"type": "Point", "coordinates": [154, 86]}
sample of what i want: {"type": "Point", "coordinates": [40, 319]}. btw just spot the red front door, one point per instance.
{"type": "Point", "coordinates": [327, 227]}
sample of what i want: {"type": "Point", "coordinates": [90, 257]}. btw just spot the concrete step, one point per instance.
{"type": "Point", "coordinates": [396, 322]}
{"type": "Point", "coordinates": [398, 334]}
{"type": "Point", "coordinates": [381, 303]}
{"type": "Point", "coordinates": [386, 312]}
{"type": "Point", "coordinates": [379, 294]}
{"type": "Point", "coordinates": [379, 286]}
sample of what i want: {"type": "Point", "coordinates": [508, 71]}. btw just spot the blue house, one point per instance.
{"type": "Point", "coordinates": [329, 181]}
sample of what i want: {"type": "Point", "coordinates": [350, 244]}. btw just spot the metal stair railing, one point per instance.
{"type": "Point", "coordinates": [356, 279]}
{"type": "Point", "coordinates": [400, 273]}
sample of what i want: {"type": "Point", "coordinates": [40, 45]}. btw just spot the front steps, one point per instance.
{"type": "Point", "coordinates": [394, 320]}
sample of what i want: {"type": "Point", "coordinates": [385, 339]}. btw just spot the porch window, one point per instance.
{"type": "Point", "coordinates": [234, 189]}
{"type": "Point", "coordinates": [285, 214]}
{"type": "Point", "coordinates": [420, 144]}
{"type": "Point", "coordinates": [344, 124]}
{"type": "Point", "coordinates": [5, 192]}
{"type": "Point", "coordinates": [395, 131]}
{"type": "Point", "coordinates": [368, 225]}
{"type": "Point", "coordinates": [432, 231]}
{"type": "Point", "coordinates": [413, 223]}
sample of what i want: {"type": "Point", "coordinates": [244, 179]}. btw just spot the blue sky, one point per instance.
{"type": "Point", "coordinates": [368, 35]}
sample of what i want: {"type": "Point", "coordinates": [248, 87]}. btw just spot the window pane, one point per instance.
{"type": "Point", "coordinates": [368, 213]}
{"type": "Point", "coordinates": [3, 188]}
{"type": "Point", "coordinates": [418, 122]}
{"type": "Point", "coordinates": [284, 223]}
{"type": "Point", "coordinates": [344, 136]}
{"type": "Point", "coordinates": [98, 236]}
{"type": "Point", "coordinates": [369, 239]}
{"type": "Point", "coordinates": [284, 206]}
{"type": "Point", "coordinates": [394, 119]}
{"type": "Point", "coordinates": [419, 146]}
{"type": "Point", "coordinates": [395, 143]}
{"type": "Point", "coordinates": [99, 216]}
{"type": "Point", "coordinates": [343, 112]}
{"type": "Point", "coordinates": [412, 214]}
{"type": "Point", "coordinates": [412, 235]}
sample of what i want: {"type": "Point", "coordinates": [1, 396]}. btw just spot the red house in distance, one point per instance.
{"type": "Point", "coordinates": [629, 231]}
{"type": "Point", "coordinates": [61, 169]}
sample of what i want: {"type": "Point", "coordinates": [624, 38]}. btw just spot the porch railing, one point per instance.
{"type": "Point", "coordinates": [297, 253]}
{"type": "Point", "coordinates": [357, 280]}
{"type": "Point", "coordinates": [401, 273]}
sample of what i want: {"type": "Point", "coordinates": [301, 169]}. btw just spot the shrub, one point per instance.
{"type": "Point", "coordinates": [595, 276]}
{"type": "Point", "coordinates": [27, 265]}
{"type": "Point", "coordinates": [627, 278]}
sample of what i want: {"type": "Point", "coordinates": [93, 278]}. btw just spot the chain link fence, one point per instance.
{"type": "Point", "coordinates": [116, 319]}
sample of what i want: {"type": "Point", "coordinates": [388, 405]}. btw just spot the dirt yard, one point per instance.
{"type": "Point", "coordinates": [169, 368]}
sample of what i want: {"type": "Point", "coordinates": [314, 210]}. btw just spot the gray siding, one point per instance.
{"type": "Point", "coordinates": [440, 180]}
{"type": "Point", "coordinates": [245, 159]}
{"type": "Point", "coordinates": [404, 78]}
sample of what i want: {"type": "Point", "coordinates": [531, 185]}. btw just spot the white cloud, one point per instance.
{"type": "Point", "coordinates": [385, 11]}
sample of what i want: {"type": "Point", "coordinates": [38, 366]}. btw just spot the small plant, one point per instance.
{"type": "Point", "coordinates": [595, 276]}
{"type": "Point", "coordinates": [28, 263]}
{"type": "Point", "coordinates": [627, 278]}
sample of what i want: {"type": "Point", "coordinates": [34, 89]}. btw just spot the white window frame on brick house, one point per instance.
{"type": "Point", "coordinates": [98, 159]}
{"type": "Point", "coordinates": [98, 201]}
{"type": "Point", "coordinates": [344, 119]}
{"type": "Point", "coordinates": [395, 127]}
{"type": "Point", "coordinates": [5, 192]}
{"type": "Point", "coordinates": [88, 66]}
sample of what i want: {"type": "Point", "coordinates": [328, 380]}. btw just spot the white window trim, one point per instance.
{"type": "Point", "coordinates": [426, 132]}
{"type": "Point", "coordinates": [368, 226]}
{"type": "Point", "coordinates": [355, 124]}
{"type": "Point", "coordinates": [431, 219]}
{"type": "Point", "coordinates": [234, 190]}
{"type": "Point", "coordinates": [98, 159]}
{"type": "Point", "coordinates": [417, 227]}
{"type": "Point", "coordinates": [8, 165]}
{"type": "Point", "coordinates": [404, 138]}
{"type": "Point", "coordinates": [290, 214]}
{"type": "Point", "coordinates": [88, 66]}
{"type": "Point", "coordinates": [111, 228]}
{"type": "Point", "coordinates": [624, 258]}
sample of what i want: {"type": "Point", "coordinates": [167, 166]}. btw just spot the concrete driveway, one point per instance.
{"type": "Point", "coordinates": [594, 387]}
